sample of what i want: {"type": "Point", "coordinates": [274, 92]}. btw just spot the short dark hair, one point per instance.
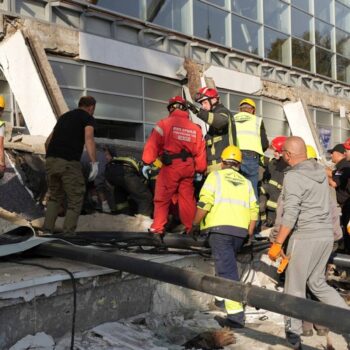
{"type": "Point", "coordinates": [87, 101]}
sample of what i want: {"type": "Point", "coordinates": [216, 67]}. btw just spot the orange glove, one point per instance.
{"type": "Point", "coordinates": [275, 251]}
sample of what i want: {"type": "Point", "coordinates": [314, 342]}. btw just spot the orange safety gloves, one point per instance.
{"type": "Point", "coordinates": [275, 251]}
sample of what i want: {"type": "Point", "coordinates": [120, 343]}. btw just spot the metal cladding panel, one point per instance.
{"type": "Point", "coordinates": [119, 54]}
{"type": "Point", "coordinates": [232, 80]}
{"type": "Point", "coordinates": [298, 123]}
{"type": "Point", "coordinates": [21, 73]}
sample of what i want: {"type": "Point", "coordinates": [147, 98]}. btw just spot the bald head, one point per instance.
{"type": "Point", "coordinates": [294, 150]}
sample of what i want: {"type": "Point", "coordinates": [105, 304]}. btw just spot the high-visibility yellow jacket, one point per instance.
{"type": "Point", "coordinates": [230, 201]}
{"type": "Point", "coordinates": [248, 128]}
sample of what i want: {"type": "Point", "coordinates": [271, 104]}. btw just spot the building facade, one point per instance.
{"type": "Point", "coordinates": [126, 51]}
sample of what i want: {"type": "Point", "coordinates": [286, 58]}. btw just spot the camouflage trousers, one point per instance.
{"type": "Point", "coordinates": [65, 181]}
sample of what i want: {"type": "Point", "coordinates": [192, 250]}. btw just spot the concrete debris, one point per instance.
{"type": "Point", "coordinates": [28, 143]}
{"type": "Point", "coordinates": [14, 196]}
{"type": "Point", "coordinates": [101, 222]}
{"type": "Point", "coordinates": [39, 341]}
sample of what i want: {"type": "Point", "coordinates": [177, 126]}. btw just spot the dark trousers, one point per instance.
{"type": "Point", "coordinates": [250, 168]}
{"type": "Point", "coordinates": [128, 185]}
{"type": "Point", "coordinates": [224, 249]}
{"type": "Point", "coordinates": [65, 180]}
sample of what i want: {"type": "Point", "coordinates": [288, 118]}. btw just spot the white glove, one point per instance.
{"type": "Point", "coordinates": [93, 171]}
{"type": "Point", "coordinates": [198, 177]}
{"type": "Point", "coordinates": [145, 170]}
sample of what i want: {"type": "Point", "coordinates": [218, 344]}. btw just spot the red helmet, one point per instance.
{"type": "Point", "coordinates": [206, 94]}
{"type": "Point", "coordinates": [177, 102]}
{"type": "Point", "coordinates": [347, 144]}
{"type": "Point", "coordinates": [278, 142]}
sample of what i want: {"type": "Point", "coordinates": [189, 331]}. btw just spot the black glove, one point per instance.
{"type": "Point", "coordinates": [194, 231]}
{"type": "Point", "coordinates": [194, 107]}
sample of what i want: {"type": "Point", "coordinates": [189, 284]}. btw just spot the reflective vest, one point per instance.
{"type": "Point", "coordinates": [2, 123]}
{"type": "Point", "coordinates": [248, 132]}
{"type": "Point", "coordinates": [229, 199]}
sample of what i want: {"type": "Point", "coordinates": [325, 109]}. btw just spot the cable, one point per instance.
{"type": "Point", "coordinates": [70, 274]}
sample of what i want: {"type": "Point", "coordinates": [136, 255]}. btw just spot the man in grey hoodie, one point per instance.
{"type": "Point", "coordinates": [306, 212]}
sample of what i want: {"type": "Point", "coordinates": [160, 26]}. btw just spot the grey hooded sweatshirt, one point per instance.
{"type": "Point", "coordinates": [306, 198]}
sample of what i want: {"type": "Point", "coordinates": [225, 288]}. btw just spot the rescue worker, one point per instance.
{"type": "Point", "coordinates": [306, 214]}
{"type": "Point", "coordinates": [272, 183]}
{"type": "Point", "coordinates": [63, 168]}
{"type": "Point", "coordinates": [180, 146]}
{"type": "Point", "coordinates": [341, 182]}
{"type": "Point", "coordinates": [2, 137]}
{"type": "Point", "coordinates": [251, 140]}
{"type": "Point", "coordinates": [222, 130]}
{"type": "Point", "coordinates": [227, 211]}
{"type": "Point", "coordinates": [130, 189]}
{"type": "Point", "coordinates": [347, 147]}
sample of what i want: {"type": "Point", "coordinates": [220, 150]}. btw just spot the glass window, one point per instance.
{"type": "Point", "coordinates": [246, 8]}
{"type": "Point", "coordinates": [343, 43]}
{"type": "Point", "coordinates": [111, 81]}
{"type": "Point", "coordinates": [72, 97]}
{"type": "Point", "coordinates": [169, 13]}
{"type": "Point", "coordinates": [221, 3]}
{"type": "Point", "coordinates": [301, 54]}
{"type": "Point", "coordinates": [98, 26]}
{"type": "Point", "coordinates": [276, 46]}
{"type": "Point", "coordinates": [209, 22]}
{"type": "Point", "coordinates": [323, 10]}
{"type": "Point", "coordinates": [68, 74]}
{"type": "Point", "coordinates": [245, 35]}
{"type": "Point", "coordinates": [273, 111]}
{"type": "Point", "coordinates": [159, 90]}
{"type": "Point", "coordinates": [276, 15]}
{"type": "Point", "coordinates": [66, 17]}
{"type": "Point", "coordinates": [323, 62]}
{"type": "Point", "coordinates": [342, 16]}
{"type": "Point", "coordinates": [31, 8]}
{"type": "Point", "coordinates": [130, 7]}
{"type": "Point", "coordinates": [343, 69]}
{"type": "Point", "coordinates": [323, 117]}
{"type": "Point", "coordinates": [302, 4]}
{"type": "Point", "coordinates": [323, 34]}
{"type": "Point", "coordinates": [301, 23]}
{"type": "Point", "coordinates": [155, 111]}
{"type": "Point", "coordinates": [276, 127]}
{"type": "Point", "coordinates": [119, 130]}
{"type": "Point", "coordinates": [117, 107]}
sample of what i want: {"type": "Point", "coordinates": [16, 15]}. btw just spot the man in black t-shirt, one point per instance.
{"type": "Point", "coordinates": [63, 168]}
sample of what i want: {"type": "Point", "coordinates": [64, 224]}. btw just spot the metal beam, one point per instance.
{"type": "Point", "coordinates": [337, 319]}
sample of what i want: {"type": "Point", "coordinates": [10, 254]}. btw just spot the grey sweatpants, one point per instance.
{"type": "Point", "coordinates": [307, 266]}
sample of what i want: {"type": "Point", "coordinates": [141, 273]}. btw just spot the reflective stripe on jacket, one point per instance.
{"type": "Point", "coordinates": [128, 161]}
{"type": "Point", "coordinates": [230, 201]}
{"type": "Point", "coordinates": [222, 133]}
{"type": "Point", "coordinates": [248, 128]}
{"type": "Point", "coordinates": [175, 134]}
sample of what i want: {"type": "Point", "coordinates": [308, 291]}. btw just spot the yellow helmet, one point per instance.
{"type": "Point", "coordinates": [2, 102]}
{"type": "Point", "coordinates": [232, 153]}
{"type": "Point", "coordinates": [248, 101]}
{"type": "Point", "coordinates": [310, 152]}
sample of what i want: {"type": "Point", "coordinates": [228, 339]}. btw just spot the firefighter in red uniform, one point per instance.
{"type": "Point", "coordinates": [179, 144]}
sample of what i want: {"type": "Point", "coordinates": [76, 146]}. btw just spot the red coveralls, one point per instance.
{"type": "Point", "coordinates": [174, 134]}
